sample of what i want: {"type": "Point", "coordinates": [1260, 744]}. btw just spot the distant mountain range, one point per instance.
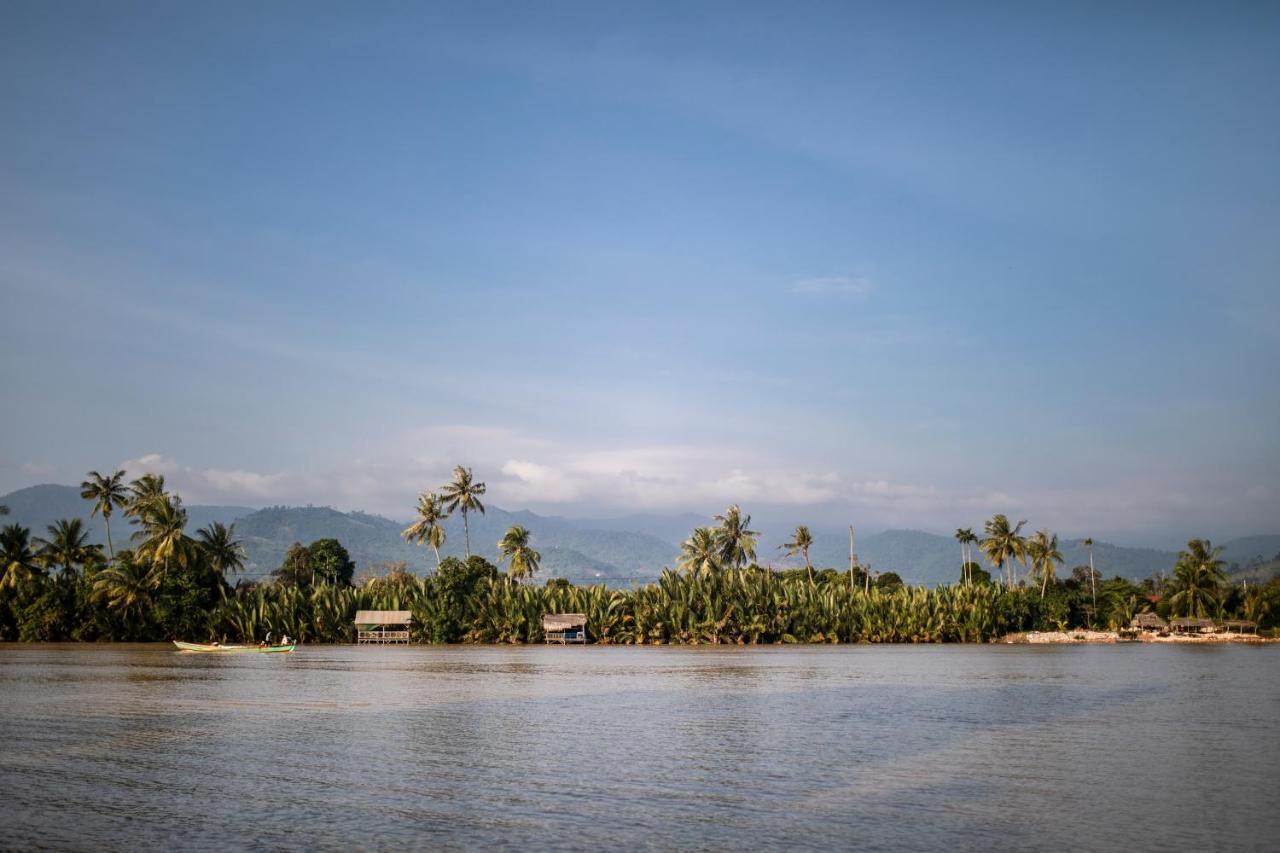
{"type": "Point", "coordinates": [617, 551]}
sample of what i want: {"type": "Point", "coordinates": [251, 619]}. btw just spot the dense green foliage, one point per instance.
{"type": "Point", "coordinates": [170, 585]}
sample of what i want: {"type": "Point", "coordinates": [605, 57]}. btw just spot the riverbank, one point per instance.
{"type": "Point", "coordinates": [1108, 637]}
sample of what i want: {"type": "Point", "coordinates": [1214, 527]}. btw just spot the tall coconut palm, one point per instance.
{"type": "Point", "coordinates": [801, 542]}
{"type": "Point", "coordinates": [965, 537]}
{"type": "Point", "coordinates": [218, 544]}
{"type": "Point", "coordinates": [144, 491]}
{"type": "Point", "coordinates": [700, 553]}
{"type": "Point", "coordinates": [163, 539]}
{"type": "Point", "coordinates": [17, 562]}
{"type": "Point", "coordinates": [514, 546]}
{"type": "Point", "coordinates": [1093, 584]}
{"type": "Point", "coordinates": [1042, 550]}
{"type": "Point", "coordinates": [1004, 543]}
{"type": "Point", "coordinates": [429, 525]}
{"type": "Point", "coordinates": [1198, 578]}
{"type": "Point", "coordinates": [463, 493]}
{"type": "Point", "coordinates": [736, 542]}
{"type": "Point", "coordinates": [67, 546]}
{"type": "Point", "coordinates": [108, 493]}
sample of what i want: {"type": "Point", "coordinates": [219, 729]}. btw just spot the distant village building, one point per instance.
{"type": "Point", "coordinates": [1149, 622]}
{"type": "Point", "coordinates": [565, 628]}
{"type": "Point", "coordinates": [1192, 625]}
{"type": "Point", "coordinates": [380, 627]}
{"type": "Point", "coordinates": [1240, 626]}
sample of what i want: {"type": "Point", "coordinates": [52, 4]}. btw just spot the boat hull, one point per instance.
{"type": "Point", "coordinates": [209, 647]}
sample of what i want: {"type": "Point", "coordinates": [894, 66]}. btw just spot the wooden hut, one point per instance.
{"type": "Point", "coordinates": [1150, 622]}
{"type": "Point", "coordinates": [1192, 625]}
{"type": "Point", "coordinates": [1240, 626]}
{"type": "Point", "coordinates": [565, 628]}
{"type": "Point", "coordinates": [382, 626]}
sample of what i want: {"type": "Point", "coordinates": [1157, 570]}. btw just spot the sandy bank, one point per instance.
{"type": "Point", "coordinates": [1107, 637]}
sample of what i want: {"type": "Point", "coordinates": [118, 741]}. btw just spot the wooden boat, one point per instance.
{"type": "Point", "coordinates": [218, 647]}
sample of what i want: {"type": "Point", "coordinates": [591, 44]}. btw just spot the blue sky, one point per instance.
{"type": "Point", "coordinates": [898, 266]}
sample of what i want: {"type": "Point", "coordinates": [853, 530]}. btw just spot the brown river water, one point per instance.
{"type": "Point", "coordinates": [1133, 747]}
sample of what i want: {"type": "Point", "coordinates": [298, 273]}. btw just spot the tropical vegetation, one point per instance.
{"type": "Point", "coordinates": [175, 583]}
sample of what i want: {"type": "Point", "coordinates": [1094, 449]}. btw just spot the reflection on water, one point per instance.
{"type": "Point", "coordinates": [887, 747]}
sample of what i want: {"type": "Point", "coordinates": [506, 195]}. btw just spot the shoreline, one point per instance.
{"type": "Point", "coordinates": [1081, 638]}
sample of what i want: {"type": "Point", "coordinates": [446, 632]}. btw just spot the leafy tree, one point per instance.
{"type": "Point", "coordinates": [1198, 577]}
{"type": "Point", "coordinates": [67, 546]}
{"type": "Point", "coordinates": [801, 542]}
{"type": "Point", "coordinates": [108, 493]}
{"type": "Point", "coordinates": [514, 546]}
{"type": "Point", "coordinates": [220, 549]}
{"type": "Point", "coordinates": [976, 574]}
{"type": "Point", "coordinates": [700, 553]}
{"type": "Point", "coordinates": [889, 581]}
{"type": "Point", "coordinates": [330, 563]}
{"type": "Point", "coordinates": [463, 493]}
{"type": "Point", "coordinates": [429, 525]}
{"type": "Point", "coordinates": [735, 543]}
{"type": "Point", "coordinates": [1004, 543]}
{"type": "Point", "coordinates": [452, 601]}
{"type": "Point", "coordinates": [1042, 551]}
{"type": "Point", "coordinates": [296, 568]}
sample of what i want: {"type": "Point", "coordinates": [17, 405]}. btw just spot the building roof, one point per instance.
{"type": "Point", "coordinates": [1148, 620]}
{"type": "Point", "coordinates": [563, 621]}
{"type": "Point", "coordinates": [1239, 623]}
{"type": "Point", "coordinates": [383, 617]}
{"type": "Point", "coordinates": [1191, 622]}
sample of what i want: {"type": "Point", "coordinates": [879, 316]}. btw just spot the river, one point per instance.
{"type": "Point", "coordinates": [869, 747]}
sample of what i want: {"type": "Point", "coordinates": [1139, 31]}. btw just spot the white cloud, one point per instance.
{"type": "Point", "coordinates": [834, 285]}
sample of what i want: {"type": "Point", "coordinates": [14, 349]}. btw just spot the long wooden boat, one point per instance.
{"type": "Point", "coordinates": [218, 647]}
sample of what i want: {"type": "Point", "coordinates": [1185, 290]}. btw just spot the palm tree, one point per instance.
{"type": "Point", "coordinates": [67, 546]}
{"type": "Point", "coordinates": [17, 563]}
{"type": "Point", "coordinates": [164, 541]}
{"type": "Point", "coordinates": [700, 553]}
{"type": "Point", "coordinates": [1004, 543]}
{"type": "Point", "coordinates": [219, 546]}
{"type": "Point", "coordinates": [429, 526]}
{"type": "Point", "coordinates": [800, 543]}
{"type": "Point", "coordinates": [1093, 585]}
{"type": "Point", "coordinates": [737, 544]}
{"type": "Point", "coordinates": [515, 547]}
{"type": "Point", "coordinates": [965, 537]}
{"type": "Point", "coordinates": [125, 586]}
{"type": "Point", "coordinates": [463, 494]}
{"type": "Point", "coordinates": [144, 491]}
{"type": "Point", "coordinates": [1045, 556]}
{"type": "Point", "coordinates": [108, 492]}
{"type": "Point", "coordinates": [1198, 577]}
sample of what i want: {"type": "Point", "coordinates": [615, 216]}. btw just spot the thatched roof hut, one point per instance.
{"type": "Point", "coordinates": [1243, 626]}
{"type": "Point", "coordinates": [1191, 625]}
{"type": "Point", "coordinates": [565, 627]}
{"type": "Point", "coordinates": [1148, 622]}
{"type": "Point", "coordinates": [383, 626]}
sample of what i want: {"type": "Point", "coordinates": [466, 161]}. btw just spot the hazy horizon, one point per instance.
{"type": "Point", "coordinates": [898, 267]}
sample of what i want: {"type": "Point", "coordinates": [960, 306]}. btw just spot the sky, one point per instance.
{"type": "Point", "coordinates": [898, 265]}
